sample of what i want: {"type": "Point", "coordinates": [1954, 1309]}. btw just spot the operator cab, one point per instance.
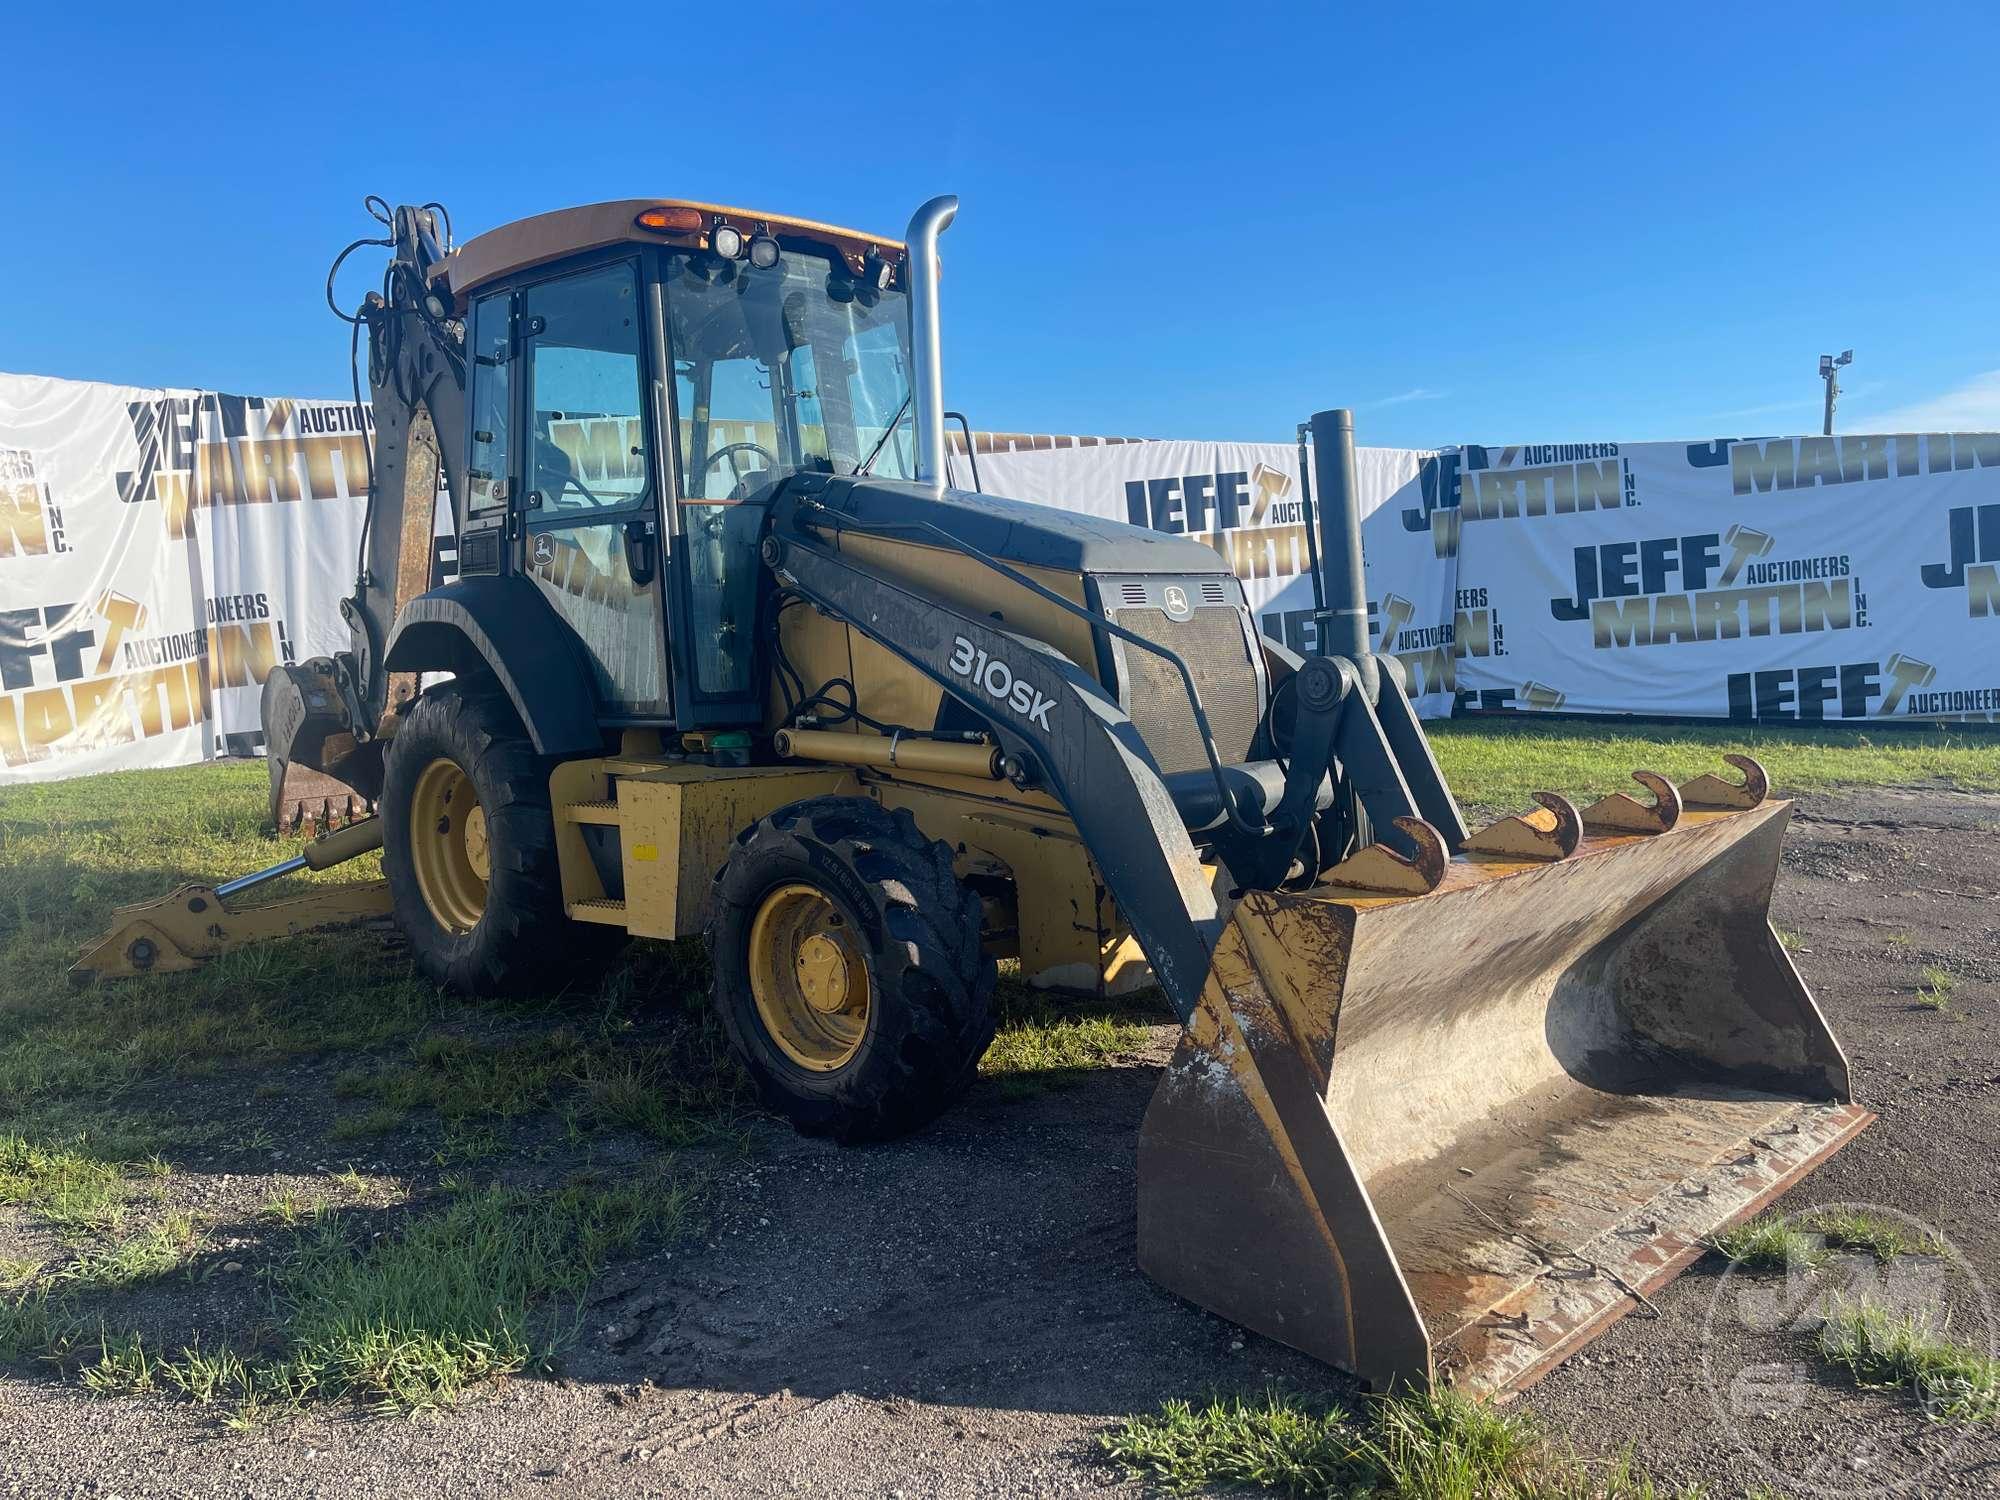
{"type": "Point", "coordinates": [643, 376]}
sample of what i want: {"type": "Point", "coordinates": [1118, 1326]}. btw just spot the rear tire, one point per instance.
{"type": "Point", "coordinates": [848, 968]}
{"type": "Point", "coordinates": [468, 845]}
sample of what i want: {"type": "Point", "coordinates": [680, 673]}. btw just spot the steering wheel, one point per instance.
{"type": "Point", "coordinates": [729, 451]}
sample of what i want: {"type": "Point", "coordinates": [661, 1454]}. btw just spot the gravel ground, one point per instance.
{"type": "Point", "coordinates": [959, 1314]}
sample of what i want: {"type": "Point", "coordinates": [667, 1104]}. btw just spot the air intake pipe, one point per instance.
{"type": "Point", "coordinates": [1343, 625]}
{"type": "Point", "coordinates": [926, 355]}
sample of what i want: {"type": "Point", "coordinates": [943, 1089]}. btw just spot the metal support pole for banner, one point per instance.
{"type": "Point", "coordinates": [1829, 371]}
{"type": "Point", "coordinates": [1344, 628]}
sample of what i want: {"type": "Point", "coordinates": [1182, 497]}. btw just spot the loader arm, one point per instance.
{"type": "Point", "coordinates": [1072, 736]}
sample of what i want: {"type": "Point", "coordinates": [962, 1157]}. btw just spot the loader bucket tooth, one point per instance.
{"type": "Point", "coordinates": [1380, 868]}
{"type": "Point", "coordinates": [1711, 791]}
{"type": "Point", "coordinates": [1452, 1136]}
{"type": "Point", "coordinates": [1623, 813]}
{"type": "Point", "coordinates": [1552, 833]}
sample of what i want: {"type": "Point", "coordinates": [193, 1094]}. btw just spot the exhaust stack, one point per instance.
{"type": "Point", "coordinates": [1344, 622]}
{"type": "Point", "coordinates": [926, 353]}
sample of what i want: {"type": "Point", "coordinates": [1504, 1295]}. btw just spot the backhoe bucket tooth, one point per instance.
{"type": "Point", "coordinates": [1552, 833]}
{"type": "Point", "coordinates": [1623, 813]}
{"type": "Point", "coordinates": [1380, 868]}
{"type": "Point", "coordinates": [304, 800]}
{"type": "Point", "coordinates": [1711, 791]}
{"type": "Point", "coordinates": [1454, 1135]}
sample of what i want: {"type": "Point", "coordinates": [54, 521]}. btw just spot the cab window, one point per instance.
{"type": "Point", "coordinates": [491, 392]}
{"type": "Point", "coordinates": [585, 393]}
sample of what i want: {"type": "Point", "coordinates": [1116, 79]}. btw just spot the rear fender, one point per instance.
{"type": "Point", "coordinates": [502, 627]}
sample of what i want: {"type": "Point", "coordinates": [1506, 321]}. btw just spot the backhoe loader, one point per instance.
{"type": "Point", "coordinates": [729, 656]}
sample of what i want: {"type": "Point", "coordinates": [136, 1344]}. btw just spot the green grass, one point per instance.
{"type": "Point", "coordinates": [1496, 763]}
{"type": "Point", "coordinates": [370, 1123]}
{"type": "Point", "coordinates": [1039, 1034]}
{"type": "Point", "coordinates": [1880, 1347]}
{"type": "Point", "coordinates": [1771, 1242]}
{"type": "Point", "coordinates": [1881, 1236]}
{"type": "Point", "coordinates": [1936, 990]}
{"type": "Point", "coordinates": [484, 1286]}
{"type": "Point", "coordinates": [1783, 1242]}
{"type": "Point", "coordinates": [104, 1087]}
{"type": "Point", "coordinates": [156, 1251]}
{"type": "Point", "coordinates": [71, 852]}
{"type": "Point", "coordinates": [18, 1270]}
{"type": "Point", "coordinates": [66, 1184]}
{"type": "Point", "coordinates": [1411, 1447]}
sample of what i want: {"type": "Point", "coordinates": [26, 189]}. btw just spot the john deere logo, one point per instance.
{"type": "Point", "coordinates": [1972, 561]}
{"type": "Point", "coordinates": [545, 550]}
{"type": "Point", "coordinates": [1706, 587]}
{"type": "Point", "coordinates": [1176, 601]}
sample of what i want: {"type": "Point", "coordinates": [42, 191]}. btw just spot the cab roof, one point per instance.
{"type": "Point", "coordinates": [526, 243]}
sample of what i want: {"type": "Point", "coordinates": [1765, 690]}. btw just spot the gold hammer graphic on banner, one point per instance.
{"type": "Point", "coordinates": [1908, 673]}
{"type": "Point", "coordinates": [1396, 612]}
{"type": "Point", "coordinates": [122, 614]}
{"type": "Point", "coordinates": [1744, 542]}
{"type": "Point", "coordinates": [1271, 486]}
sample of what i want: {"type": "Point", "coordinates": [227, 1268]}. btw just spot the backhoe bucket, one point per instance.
{"type": "Point", "coordinates": [1452, 1135]}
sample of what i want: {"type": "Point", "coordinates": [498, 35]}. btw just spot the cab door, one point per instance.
{"type": "Point", "coordinates": [588, 502]}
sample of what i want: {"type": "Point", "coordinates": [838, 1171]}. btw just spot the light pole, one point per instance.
{"type": "Point", "coordinates": [1829, 371]}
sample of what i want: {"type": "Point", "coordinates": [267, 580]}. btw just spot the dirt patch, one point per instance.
{"type": "Point", "coordinates": [960, 1313]}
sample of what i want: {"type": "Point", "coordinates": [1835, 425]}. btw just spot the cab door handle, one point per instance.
{"type": "Point", "coordinates": [641, 549]}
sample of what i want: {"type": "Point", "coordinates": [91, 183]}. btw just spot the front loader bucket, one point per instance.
{"type": "Point", "coordinates": [1453, 1135]}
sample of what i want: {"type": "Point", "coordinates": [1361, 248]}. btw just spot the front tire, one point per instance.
{"type": "Point", "coordinates": [468, 845]}
{"type": "Point", "coordinates": [848, 968]}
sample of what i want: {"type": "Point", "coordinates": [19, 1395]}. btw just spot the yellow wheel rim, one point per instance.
{"type": "Point", "coordinates": [808, 978]}
{"type": "Point", "coordinates": [448, 845]}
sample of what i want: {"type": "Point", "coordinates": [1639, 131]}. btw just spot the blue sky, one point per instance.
{"type": "Point", "coordinates": [1471, 224]}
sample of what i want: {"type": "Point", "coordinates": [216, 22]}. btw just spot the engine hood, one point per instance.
{"type": "Point", "coordinates": [1015, 531]}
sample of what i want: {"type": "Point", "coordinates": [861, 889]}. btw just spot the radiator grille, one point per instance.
{"type": "Point", "coordinates": [1211, 641]}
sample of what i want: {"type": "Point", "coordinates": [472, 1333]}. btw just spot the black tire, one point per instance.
{"type": "Point", "coordinates": [524, 942]}
{"type": "Point", "coordinates": [930, 1016]}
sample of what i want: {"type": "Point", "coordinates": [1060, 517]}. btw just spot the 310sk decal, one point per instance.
{"type": "Point", "coordinates": [1000, 681]}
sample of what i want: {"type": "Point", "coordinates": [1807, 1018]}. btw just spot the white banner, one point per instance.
{"type": "Point", "coordinates": [160, 551]}
{"type": "Point", "coordinates": [1781, 579]}
{"type": "Point", "coordinates": [102, 646]}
